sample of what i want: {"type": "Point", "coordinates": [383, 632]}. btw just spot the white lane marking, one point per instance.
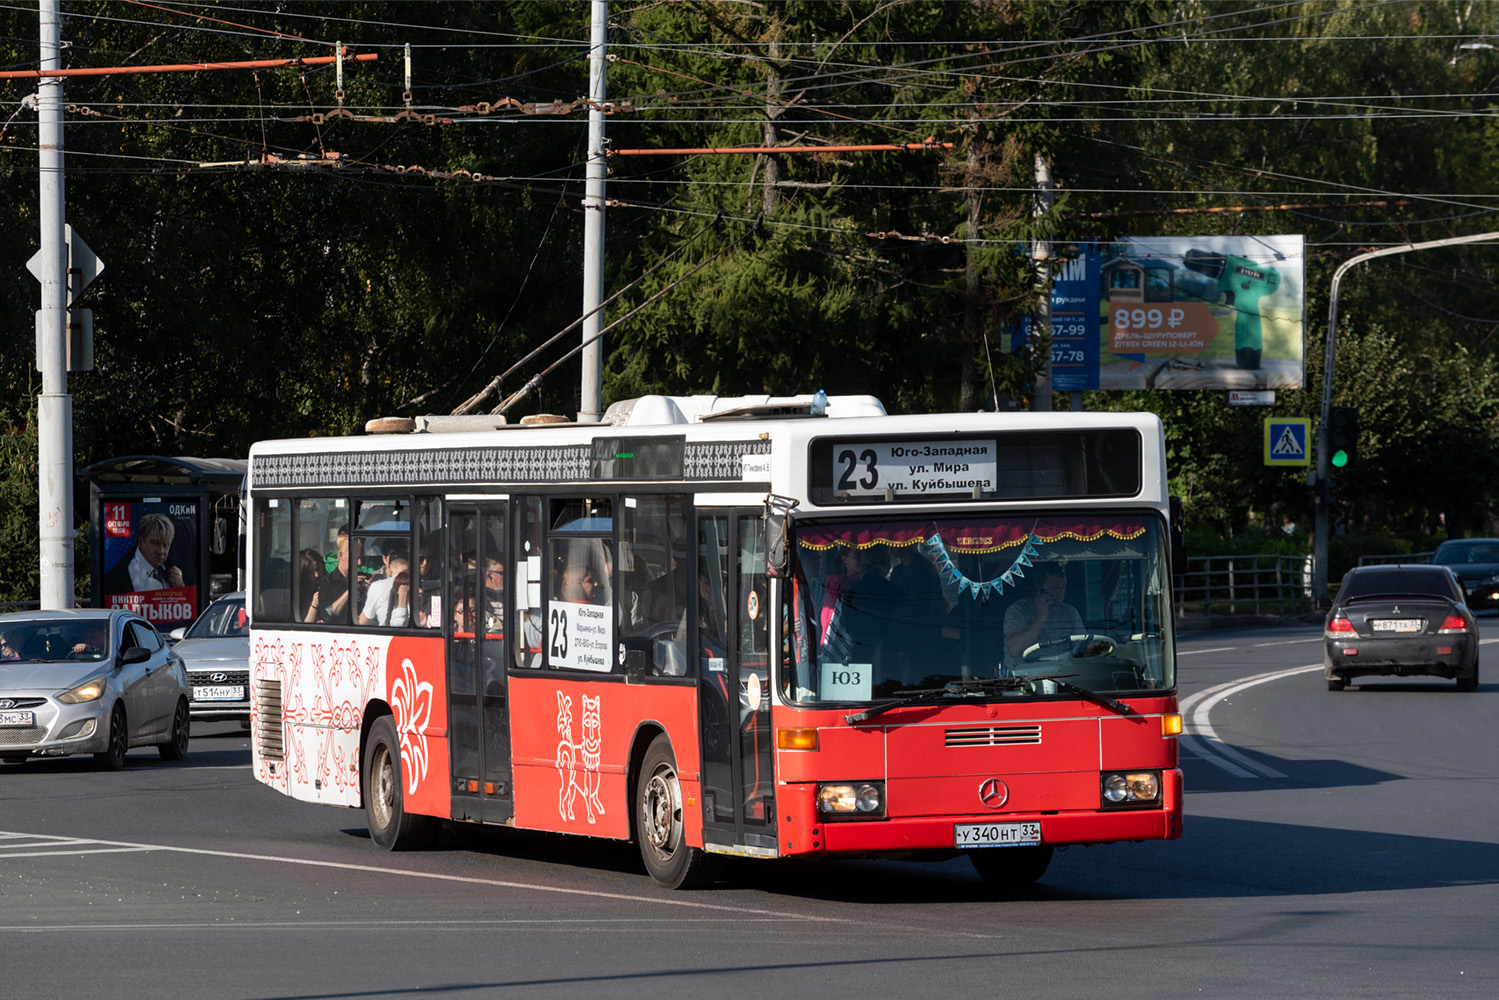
{"type": "Point", "coordinates": [464, 879]}
{"type": "Point", "coordinates": [1198, 652]}
{"type": "Point", "coordinates": [1203, 741]}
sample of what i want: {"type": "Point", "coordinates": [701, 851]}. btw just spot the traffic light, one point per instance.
{"type": "Point", "coordinates": [1342, 436]}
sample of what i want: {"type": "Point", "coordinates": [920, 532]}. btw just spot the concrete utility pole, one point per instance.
{"type": "Point", "coordinates": [1041, 253]}
{"type": "Point", "coordinates": [590, 407]}
{"type": "Point", "coordinates": [1319, 537]}
{"type": "Point", "coordinates": [55, 406]}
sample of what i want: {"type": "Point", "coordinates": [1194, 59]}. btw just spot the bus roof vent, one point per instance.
{"type": "Point", "coordinates": [540, 419]}
{"type": "Point", "coordinates": [438, 423]}
{"type": "Point", "coordinates": [647, 410]}
{"type": "Point", "coordinates": [390, 425]}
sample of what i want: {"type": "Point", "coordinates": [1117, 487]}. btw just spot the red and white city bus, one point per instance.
{"type": "Point", "coordinates": [763, 627]}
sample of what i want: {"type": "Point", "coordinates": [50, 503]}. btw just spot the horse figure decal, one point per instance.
{"type": "Point", "coordinates": [569, 755]}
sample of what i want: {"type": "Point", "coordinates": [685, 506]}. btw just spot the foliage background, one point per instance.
{"type": "Point", "coordinates": [392, 266]}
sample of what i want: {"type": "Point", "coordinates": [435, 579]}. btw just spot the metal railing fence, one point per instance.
{"type": "Point", "coordinates": [1245, 585]}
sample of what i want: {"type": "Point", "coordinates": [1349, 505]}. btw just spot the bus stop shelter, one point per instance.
{"type": "Point", "coordinates": [164, 533]}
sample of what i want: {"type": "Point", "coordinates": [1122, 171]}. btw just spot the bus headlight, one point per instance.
{"type": "Point", "coordinates": [851, 800]}
{"type": "Point", "coordinates": [1131, 788]}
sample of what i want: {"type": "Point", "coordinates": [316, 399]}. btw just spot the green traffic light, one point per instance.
{"type": "Point", "coordinates": [1340, 458]}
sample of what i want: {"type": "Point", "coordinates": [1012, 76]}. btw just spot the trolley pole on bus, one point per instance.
{"type": "Point", "coordinates": [590, 405]}
{"type": "Point", "coordinates": [54, 415]}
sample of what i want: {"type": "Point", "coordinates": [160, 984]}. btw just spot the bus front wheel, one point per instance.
{"type": "Point", "coordinates": [391, 827]}
{"type": "Point", "coordinates": [1011, 865]}
{"type": "Point", "coordinates": [658, 821]}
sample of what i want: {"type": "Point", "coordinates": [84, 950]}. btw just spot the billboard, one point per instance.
{"type": "Point", "coordinates": [151, 558]}
{"type": "Point", "coordinates": [1180, 312]}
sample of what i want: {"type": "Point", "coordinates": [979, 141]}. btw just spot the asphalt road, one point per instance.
{"type": "Point", "coordinates": [1337, 844]}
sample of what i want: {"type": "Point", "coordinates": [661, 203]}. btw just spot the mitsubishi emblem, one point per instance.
{"type": "Point", "coordinates": [993, 793]}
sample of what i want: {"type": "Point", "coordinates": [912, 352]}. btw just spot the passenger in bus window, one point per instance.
{"type": "Point", "coordinates": [860, 602]}
{"type": "Point", "coordinates": [429, 592]}
{"type": "Point", "coordinates": [331, 605]}
{"type": "Point", "coordinates": [309, 579]}
{"type": "Point", "coordinates": [388, 601]}
{"type": "Point", "coordinates": [494, 596]}
{"type": "Point", "coordinates": [1041, 618]}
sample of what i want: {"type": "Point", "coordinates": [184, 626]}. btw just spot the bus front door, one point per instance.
{"type": "Point", "coordinates": [733, 614]}
{"type": "Point", "coordinates": [478, 702]}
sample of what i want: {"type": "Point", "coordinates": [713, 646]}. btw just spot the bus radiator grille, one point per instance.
{"type": "Point", "coordinates": [992, 736]}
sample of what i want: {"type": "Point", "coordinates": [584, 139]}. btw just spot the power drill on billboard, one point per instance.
{"type": "Point", "coordinates": [1241, 283]}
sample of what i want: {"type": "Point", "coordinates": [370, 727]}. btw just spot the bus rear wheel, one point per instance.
{"type": "Point", "coordinates": [391, 827]}
{"type": "Point", "coordinates": [1011, 865]}
{"type": "Point", "coordinates": [658, 823]}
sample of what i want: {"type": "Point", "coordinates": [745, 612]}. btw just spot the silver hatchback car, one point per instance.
{"type": "Point", "coordinates": [89, 681]}
{"type": "Point", "coordinates": [216, 651]}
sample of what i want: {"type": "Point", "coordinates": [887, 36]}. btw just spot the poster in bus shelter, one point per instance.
{"type": "Point", "coordinates": [1179, 312]}
{"type": "Point", "coordinates": [151, 558]}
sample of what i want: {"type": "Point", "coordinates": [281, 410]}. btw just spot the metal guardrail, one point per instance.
{"type": "Point", "coordinates": [1245, 585]}
{"type": "Point", "coordinates": [19, 606]}
{"type": "Point", "coordinates": [1395, 557]}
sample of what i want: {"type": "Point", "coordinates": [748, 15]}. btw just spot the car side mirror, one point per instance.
{"type": "Point", "coordinates": [134, 654]}
{"type": "Point", "coordinates": [177, 633]}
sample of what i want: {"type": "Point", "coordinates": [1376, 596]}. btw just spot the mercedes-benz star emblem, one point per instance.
{"type": "Point", "coordinates": [218, 678]}
{"type": "Point", "coordinates": [993, 793]}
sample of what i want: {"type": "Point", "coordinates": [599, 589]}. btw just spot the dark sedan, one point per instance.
{"type": "Point", "coordinates": [1402, 621]}
{"type": "Point", "coordinates": [1476, 562]}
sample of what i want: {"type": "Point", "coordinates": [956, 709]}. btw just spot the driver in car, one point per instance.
{"type": "Point", "coordinates": [1041, 619]}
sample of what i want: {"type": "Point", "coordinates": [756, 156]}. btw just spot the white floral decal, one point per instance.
{"type": "Point", "coordinates": [412, 703]}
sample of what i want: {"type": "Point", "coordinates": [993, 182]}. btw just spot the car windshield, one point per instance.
{"type": "Point", "coordinates": [1414, 581]}
{"type": "Point", "coordinates": [880, 607]}
{"type": "Point", "coordinates": [225, 618]}
{"type": "Point", "coordinates": [55, 639]}
{"type": "Point", "coordinates": [1467, 552]}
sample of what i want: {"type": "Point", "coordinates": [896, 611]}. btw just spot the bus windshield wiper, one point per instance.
{"type": "Point", "coordinates": [1082, 692]}
{"type": "Point", "coordinates": [988, 685]}
{"type": "Point", "coordinates": [953, 689]}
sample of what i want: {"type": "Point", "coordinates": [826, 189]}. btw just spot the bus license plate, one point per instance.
{"type": "Point", "coordinates": [1397, 625]}
{"type": "Point", "coordinates": [223, 692]}
{"type": "Point", "coordinates": [996, 834]}
{"type": "Point", "coordinates": [17, 718]}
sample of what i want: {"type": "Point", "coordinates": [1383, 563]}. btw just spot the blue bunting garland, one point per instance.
{"type": "Point", "coordinates": [980, 588]}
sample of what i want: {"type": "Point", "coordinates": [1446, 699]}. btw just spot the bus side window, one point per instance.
{"type": "Point", "coordinates": [273, 560]}
{"type": "Point", "coordinates": [652, 582]}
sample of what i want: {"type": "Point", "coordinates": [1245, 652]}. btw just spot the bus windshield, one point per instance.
{"type": "Point", "coordinates": [879, 608]}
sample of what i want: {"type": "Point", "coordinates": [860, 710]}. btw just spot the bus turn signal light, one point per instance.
{"type": "Point", "coordinates": [1171, 725]}
{"type": "Point", "coordinates": [796, 739]}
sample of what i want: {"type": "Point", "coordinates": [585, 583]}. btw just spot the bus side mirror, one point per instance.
{"type": "Point", "coordinates": [1178, 537]}
{"type": "Point", "coordinates": [777, 548]}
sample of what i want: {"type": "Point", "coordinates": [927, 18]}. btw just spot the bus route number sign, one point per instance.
{"type": "Point", "coordinates": [872, 468]}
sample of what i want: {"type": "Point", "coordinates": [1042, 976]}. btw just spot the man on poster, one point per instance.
{"type": "Point", "coordinates": [144, 565]}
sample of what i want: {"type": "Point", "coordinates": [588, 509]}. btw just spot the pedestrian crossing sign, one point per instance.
{"type": "Point", "coordinates": [1286, 441]}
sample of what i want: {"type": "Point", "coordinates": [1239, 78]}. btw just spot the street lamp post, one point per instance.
{"type": "Point", "coordinates": [1319, 541]}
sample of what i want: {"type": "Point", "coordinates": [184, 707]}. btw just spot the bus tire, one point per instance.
{"type": "Point", "coordinates": [1012, 865]}
{"type": "Point", "coordinates": [658, 823]}
{"type": "Point", "coordinates": [391, 827]}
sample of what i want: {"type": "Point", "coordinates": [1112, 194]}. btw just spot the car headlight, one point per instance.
{"type": "Point", "coordinates": [89, 690]}
{"type": "Point", "coordinates": [851, 800]}
{"type": "Point", "coordinates": [1131, 788]}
